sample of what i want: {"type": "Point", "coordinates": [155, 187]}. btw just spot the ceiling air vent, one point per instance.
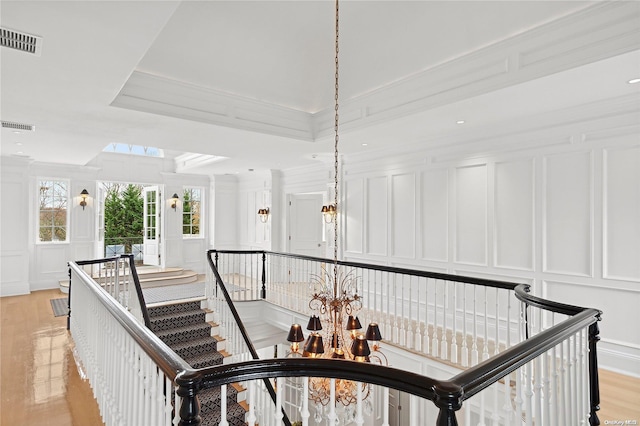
{"type": "Point", "coordinates": [18, 126]}
{"type": "Point", "coordinates": [20, 41]}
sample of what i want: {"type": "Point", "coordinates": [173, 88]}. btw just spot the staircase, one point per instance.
{"type": "Point", "coordinates": [152, 277]}
{"type": "Point", "coordinates": [184, 328]}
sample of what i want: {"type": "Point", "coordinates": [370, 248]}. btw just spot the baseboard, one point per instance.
{"type": "Point", "coordinates": [13, 289]}
{"type": "Point", "coordinates": [44, 285]}
{"type": "Point", "coordinates": [619, 357]}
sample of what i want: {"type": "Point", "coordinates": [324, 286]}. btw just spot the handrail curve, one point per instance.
{"type": "Point", "coordinates": [242, 328]}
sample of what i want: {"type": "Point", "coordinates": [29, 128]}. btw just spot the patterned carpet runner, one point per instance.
{"type": "Point", "coordinates": [183, 327]}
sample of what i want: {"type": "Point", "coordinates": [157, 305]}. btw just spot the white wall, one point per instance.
{"type": "Point", "coordinates": [14, 229]}
{"type": "Point", "coordinates": [28, 265]}
{"type": "Point", "coordinates": [553, 201]}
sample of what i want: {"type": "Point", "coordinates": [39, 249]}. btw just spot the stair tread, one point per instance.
{"type": "Point", "coordinates": [206, 359]}
{"type": "Point", "coordinates": [194, 342]}
{"type": "Point", "coordinates": [184, 314]}
{"type": "Point", "coordinates": [180, 329]}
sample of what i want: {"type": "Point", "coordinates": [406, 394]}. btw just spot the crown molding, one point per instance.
{"type": "Point", "coordinates": [159, 95]}
{"type": "Point", "coordinates": [598, 32]}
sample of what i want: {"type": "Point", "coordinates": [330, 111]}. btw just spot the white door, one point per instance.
{"type": "Point", "coordinates": [99, 249]}
{"type": "Point", "coordinates": [398, 408]}
{"type": "Point", "coordinates": [151, 238]}
{"type": "Point", "coordinates": [305, 225]}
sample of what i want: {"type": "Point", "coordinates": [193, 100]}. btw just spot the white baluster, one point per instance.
{"type": "Point", "coordinates": [168, 408]}
{"type": "Point", "coordinates": [584, 355]}
{"type": "Point", "coordinates": [528, 393]}
{"type": "Point", "coordinates": [223, 406]}
{"type": "Point", "coordinates": [385, 406]}
{"type": "Point", "coordinates": [454, 330]}
{"type": "Point", "coordinates": [434, 339]}
{"type": "Point", "coordinates": [474, 343]}
{"type": "Point", "coordinates": [563, 403]}
{"type": "Point", "coordinates": [304, 413]}
{"type": "Point", "coordinates": [359, 416]}
{"type": "Point", "coordinates": [445, 309]}
{"type": "Point", "coordinates": [414, 414]}
{"type": "Point", "coordinates": [537, 379]}
{"type": "Point", "coordinates": [332, 402]}
{"type": "Point", "coordinates": [573, 383]}
{"type": "Point", "coordinates": [485, 346]}
{"type": "Point", "coordinates": [278, 410]}
{"type": "Point", "coordinates": [425, 343]}
{"type": "Point", "coordinates": [464, 354]}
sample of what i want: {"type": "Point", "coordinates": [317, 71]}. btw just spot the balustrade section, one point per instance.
{"type": "Point", "coordinates": [128, 384]}
{"type": "Point", "coordinates": [457, 320]}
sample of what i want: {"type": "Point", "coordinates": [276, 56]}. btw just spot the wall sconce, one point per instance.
{"type": "Point", "coordinates": [264, 215]}
{"type": "Point", "coordinates": [174, 201]}
{"type": "Point", "coordinates": [329, 213]}
{"type": "Point", "coordinates": [84, 194]}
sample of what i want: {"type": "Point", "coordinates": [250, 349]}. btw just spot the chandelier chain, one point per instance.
{"type": "Point", "coordinates": [337, 138]}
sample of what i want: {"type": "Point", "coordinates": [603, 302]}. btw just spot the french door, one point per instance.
{"type": "Point", "coordinates": [151, 212]}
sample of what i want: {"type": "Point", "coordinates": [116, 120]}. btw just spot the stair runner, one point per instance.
{"type": "Point", "coordinates": [184, 328]}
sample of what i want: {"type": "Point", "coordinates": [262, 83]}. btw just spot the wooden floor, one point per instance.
{"type": "Point", "coordinates": [40, 384]}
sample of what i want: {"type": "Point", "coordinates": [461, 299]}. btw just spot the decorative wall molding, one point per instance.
{"type": "Point", "coordinates": [601, 31]}
{"type": "Point", "coordinates": [159, 95]}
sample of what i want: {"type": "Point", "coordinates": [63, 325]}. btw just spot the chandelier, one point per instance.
{"type": "Point", "coordinates": [335, 302]}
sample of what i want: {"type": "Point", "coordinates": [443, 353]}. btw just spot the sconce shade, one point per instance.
{"type": "Point", "coordinates": [84, 193]}
{"type": "Point", "coordinates": [314, 323]}
{"type": "Point", "coordinates": [295, 333]}
{"type": "Point", "coordinates": [314, 345]}
{"type": "Point", "coordinates": [353, 323]}
{"type": "Point", "coordinates": [325, 209]}
{"type": "Point", "coordinates": [373, 332]}
{"type": "Point", "coordinates": [360, 347]}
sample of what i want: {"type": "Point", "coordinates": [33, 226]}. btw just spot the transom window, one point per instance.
{"type": "Point", "coordinates": [123, 148]}
{"type": "Point", "coordinates": [53, 212]}
{"type": "Point", "coordinates": [191, 209]}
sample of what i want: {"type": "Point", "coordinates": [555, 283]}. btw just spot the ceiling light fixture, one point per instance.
{"type": "Point", "coordinates": [460, 122]}
{"type": "Point", "coordinates": [336, 300]}
{"type": "Point", "coordinates": [634, 81]}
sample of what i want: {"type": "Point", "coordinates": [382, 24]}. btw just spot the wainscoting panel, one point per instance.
{"type": "Point", "coordinates": [568, 213]}
{"type": "Point", "coordinates": [354, 220]}
{"type": "Point", "coordinates": [619, 320]}
{"type": "Point", "coordinates": [435, 214]}
{"type": "Point", "coordinates": [14, 273]}
{"type": "Point", "coordinates": [471, 215]}
{"type": "Point", "coordinates": [403, 215]}
{"type": "Point", "coordinates": [193, 252]}
{"type": "Point", "coordinates": [514, 212]}
{"type": "Point", "coordinates": [622, 213]}
{"type": "Point", "coordinates": [52, 258]}
{"type": "Point", "coordinates": [377, 215]}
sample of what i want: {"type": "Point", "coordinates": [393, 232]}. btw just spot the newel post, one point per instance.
{"type": "Point", "coordinates": [190, 405]}
{"type": "Point", "coordinates": [594, 381]}
{"type": "Point", "coordinates": [69, 300]}
{"type": "Point", "coordinates": [449, 400]}
{"type": "Point", "coordinates": [215, 262]}
{"type": "Point", "coordinates": [264, 276]}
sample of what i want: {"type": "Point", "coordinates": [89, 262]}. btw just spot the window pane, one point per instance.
{"type": "Point", "coordinates": [52, 206]}
{"type": "Point", "coordinates": [45, 234]}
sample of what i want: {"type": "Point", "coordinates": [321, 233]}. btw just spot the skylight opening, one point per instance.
{"type": "Point", "coordinates": [123, 148]}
